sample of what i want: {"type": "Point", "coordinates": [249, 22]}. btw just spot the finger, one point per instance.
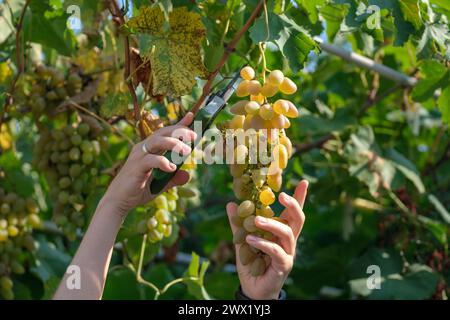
{"type": "Point", "coordinates": [300, 192]}
{"type": "Point", "coordinates": [280, 230]}
{"type": "Point", "coordinates": [184, 123]}
{"type": "Point", "coordinates": [293, 213]}
{"type": "Point", "coordinates": [232, 212]}
{"type": "Point", "coordinates": [187, 119]}
{"type": "Point", "coordinates": [273, 250]}
{"type": "Point", "coordinates": [160, 144]}
{"type": "Point", "coordinates": [152, 161]}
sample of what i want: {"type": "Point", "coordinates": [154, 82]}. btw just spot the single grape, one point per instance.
{"type": "Point", "coordinates": [288, 86]}
{"type": "Point", "coordinates": [267, 197]}
{"type": "Point", "coordinates": [239, 236]}
{"type": "Point", "coordinates": [87, 158]}
{"type": "Point", "coordinates": [242, 89]}
{"type": "Point", "coordinates": [266, 112]}
{"type": "Point", "coordinates": [76, 139]}
{"type": "Point", "coordinates": [83, 129]}
{"type": "Point", "coordinates": [247, 73]}
{"type": "Point", "coordinates": [258, 267]}
{"type": "Point", "coordinates": [239, 108]}
{"type": "Point", "coordinates": [249, 224]}
{"type": "Point", "coordinates": [254, 87]}
{"type": "Point", "coordinates": [245, 209]}
{"type": "Point", "coordinates": [265, 211]}
{"type": "Point", "coordinates": [275, 77]}
{"type": "Point", "coordinates": [269, 90]}
{"type": "Point", "coordinates": [246, 254]}
{"type": "Point", "coordinates": [161, 202]}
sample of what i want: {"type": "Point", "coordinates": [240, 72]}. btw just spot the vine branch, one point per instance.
{"type": "Point", "coordinates": [141, 280]}
{"type": "Point", "coordinates": [119, 18]}
{"type": "Point", "coordinates": [228, 50]}
{"type": "Point", "coordinates": [19, 61]}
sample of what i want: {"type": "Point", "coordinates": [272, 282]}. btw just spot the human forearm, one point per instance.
{"type": "Point", "coordinates": [94, 254]}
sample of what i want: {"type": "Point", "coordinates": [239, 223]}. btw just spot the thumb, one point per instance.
{"type": "Point", "coordinates": [232, 213]}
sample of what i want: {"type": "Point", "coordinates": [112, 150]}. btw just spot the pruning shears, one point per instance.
{"type": "Point", "coordinates": [214, 104]}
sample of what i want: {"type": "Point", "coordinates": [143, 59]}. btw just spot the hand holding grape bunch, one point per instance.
{"type": "Point", "coordinates": [280, 249]}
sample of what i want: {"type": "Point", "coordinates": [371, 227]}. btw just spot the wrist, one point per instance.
{"type": "Point", "coordinates": [111, 206]}
{"type": "Point", "coordinates": [242, 294]}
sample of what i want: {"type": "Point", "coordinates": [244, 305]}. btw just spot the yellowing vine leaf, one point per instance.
{"type": "Point", "coordinates": [175, 51]}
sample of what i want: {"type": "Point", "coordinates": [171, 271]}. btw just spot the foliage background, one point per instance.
{"type": "Point", "coordinates": [376, 153]}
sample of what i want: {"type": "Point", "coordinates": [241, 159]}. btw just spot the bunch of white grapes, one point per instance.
{"type": "Point", "coordinates": [18, 217]}
{"type": "Point", "coordinates": [255, 182]}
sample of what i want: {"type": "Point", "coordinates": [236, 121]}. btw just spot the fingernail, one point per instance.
{"type": "Point", "coordinates": [251, 238]}
{"type": "Point", "coordinates": [261, 220]}
{"type": "Point", "coordinates": [173, 166]}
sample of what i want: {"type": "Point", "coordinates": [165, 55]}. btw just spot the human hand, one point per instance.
{"type": "Point", "coordinates": [130, 188]}
{"type": "Point", "coordinates": [281, 251]}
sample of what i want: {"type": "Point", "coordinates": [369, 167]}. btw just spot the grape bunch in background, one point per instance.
{"type": "Point", "coordinates": [18, 217]}
{"type": "Point", "coordinates": [254, 182]}
{"type": "Point", "coordinates": [68, 157]}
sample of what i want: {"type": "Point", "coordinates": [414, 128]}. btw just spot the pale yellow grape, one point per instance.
{"type": "Point", "coordinates": [278, 122]}
{"type": "Point", "coordinates": [237, 122]}
{"type": "Point", "coordinates": [239, 236]}
{"type": "Point", "coordinates": [252, 107]}
{"type": "Point", "coordinates": [292, 111]}
{"type": "Point", "coordinates": [237, 221]}
{"type": "Point", "coordinates": [269, 90]}
{"type": "Point", "coordinates": [266, 211]}
{"type": "Point", "coordinates": [13, 231]}
{"type": "Point", "coordinates": [239, 108]}
{"type": "Point", "coordinates": [275, 181]}
{"type": "Point", "coordinates": [266, 112]}
{"type": "Point", "coordinates": [247, 73]}
{"type": "Point", "coordinates": [246, 254]}
{"type": "Point", "coordinates": [254, 87]}
{"type": "Point", "coordinates": [246, 208]}
{"type": "Point", "coordinates": [275, 77]}
{"type": "Point", "coordinates": [280, 155]}
{"type": "Point", "coordinates": [258, 123]}
{"type": "Point", "coordinates": [248, 122]}
{"type": "Point", "coordinates": [258, 267]}
{"type": "Point", "coordinates": [163, 216]}
{"type": "Point", "coordinates": [258, 98]}
{"type": "Point", "coordinates": [288, 86]}
{"type": "Point", "coordinates": [281, 107]}
{"type": "Point", "coordinates": [284, 140]}
{"type": "Point", "coordinates": [267, 197]}
{"type": "Point", "coordinates": [242, 89]}
{"type": "Point", "coordinates": [249, 224]}
{"type": "Point", "coordinates": [287, 123]}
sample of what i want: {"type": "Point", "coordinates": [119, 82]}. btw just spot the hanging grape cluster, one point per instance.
{"type": "Point", "coordinates": [18, 217]}
{"type": "Point", "coordinates": [46, 88]}
{"type": "Point", "coordinates": [68, 158]}
{"type": "Point", "coordinates": [255, 182]}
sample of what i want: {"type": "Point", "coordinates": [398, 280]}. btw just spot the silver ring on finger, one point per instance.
{"type": "Point", "coordinates": [144, 148]}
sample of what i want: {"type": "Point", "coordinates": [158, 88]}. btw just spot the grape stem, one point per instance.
{"type": "Point", "coordinates": [264, 62]}
{"type": "Point", "coordinates": [141, 280]}
{"type": "Point", "coordinates": [19, 61]}
{"type": "Point", "coordinates": [119, 18]}
{"type": "Point", "coordinates": [228, 50]}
